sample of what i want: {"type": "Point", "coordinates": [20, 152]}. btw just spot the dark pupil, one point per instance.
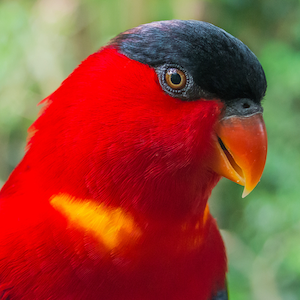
{"type": "Point", "coordinates": [175, 78]}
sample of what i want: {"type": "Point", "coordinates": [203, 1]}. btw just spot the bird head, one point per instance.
{"type": "Point", "coordinates": [155, 118]}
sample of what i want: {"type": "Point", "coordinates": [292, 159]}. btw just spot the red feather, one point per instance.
{"type": "Point", "coordinates": [110, 136]}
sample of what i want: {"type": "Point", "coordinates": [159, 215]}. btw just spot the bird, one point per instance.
{"type": "Point", "coordinates": [110, 200]}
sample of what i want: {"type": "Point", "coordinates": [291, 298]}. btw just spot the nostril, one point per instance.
{"type": "Point", "coordinates": [242, 107]}
{"type": "Point", "coordinates": [246, 105]}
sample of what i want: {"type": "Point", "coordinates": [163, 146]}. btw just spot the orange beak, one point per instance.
{"type": "Point", "coordinates": [241, 150]}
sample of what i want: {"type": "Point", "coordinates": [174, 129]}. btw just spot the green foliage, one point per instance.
{"type": "Point", "coordinates": [42, 41]}
{"type": "Point", "coordinates": [263, 228]}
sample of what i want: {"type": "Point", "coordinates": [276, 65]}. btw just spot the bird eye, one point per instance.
{"type": "Point", "coordinates": [175, 79]}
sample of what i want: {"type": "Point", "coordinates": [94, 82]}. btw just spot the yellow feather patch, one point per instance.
{"type": "Point", "coordinates": [111, 226]}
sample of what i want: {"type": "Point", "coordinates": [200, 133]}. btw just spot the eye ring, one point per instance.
{"type": "Point", "coordinates": [175, 78]}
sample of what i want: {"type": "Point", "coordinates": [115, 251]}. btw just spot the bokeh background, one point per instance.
{"type": "Point", "coordinates": [41, 42]}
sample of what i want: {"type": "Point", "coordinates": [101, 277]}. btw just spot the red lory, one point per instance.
{"type": "Point", "coordinates": [110, 199]}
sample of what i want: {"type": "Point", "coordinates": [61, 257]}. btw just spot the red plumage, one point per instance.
{"type": "Point", "coordinates": [110, 136]}
{"type": "Point", "coordinates": [88, 142]}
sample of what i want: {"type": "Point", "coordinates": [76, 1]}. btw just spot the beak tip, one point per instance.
{"type": "Point", "coordinates": [246, 192]}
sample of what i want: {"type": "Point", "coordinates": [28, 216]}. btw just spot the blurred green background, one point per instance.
{"type": "Point", "coordinates": [41, 42]}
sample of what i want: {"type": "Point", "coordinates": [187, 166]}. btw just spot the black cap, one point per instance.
{"type": "Point", "coordinates": [219, 64]}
